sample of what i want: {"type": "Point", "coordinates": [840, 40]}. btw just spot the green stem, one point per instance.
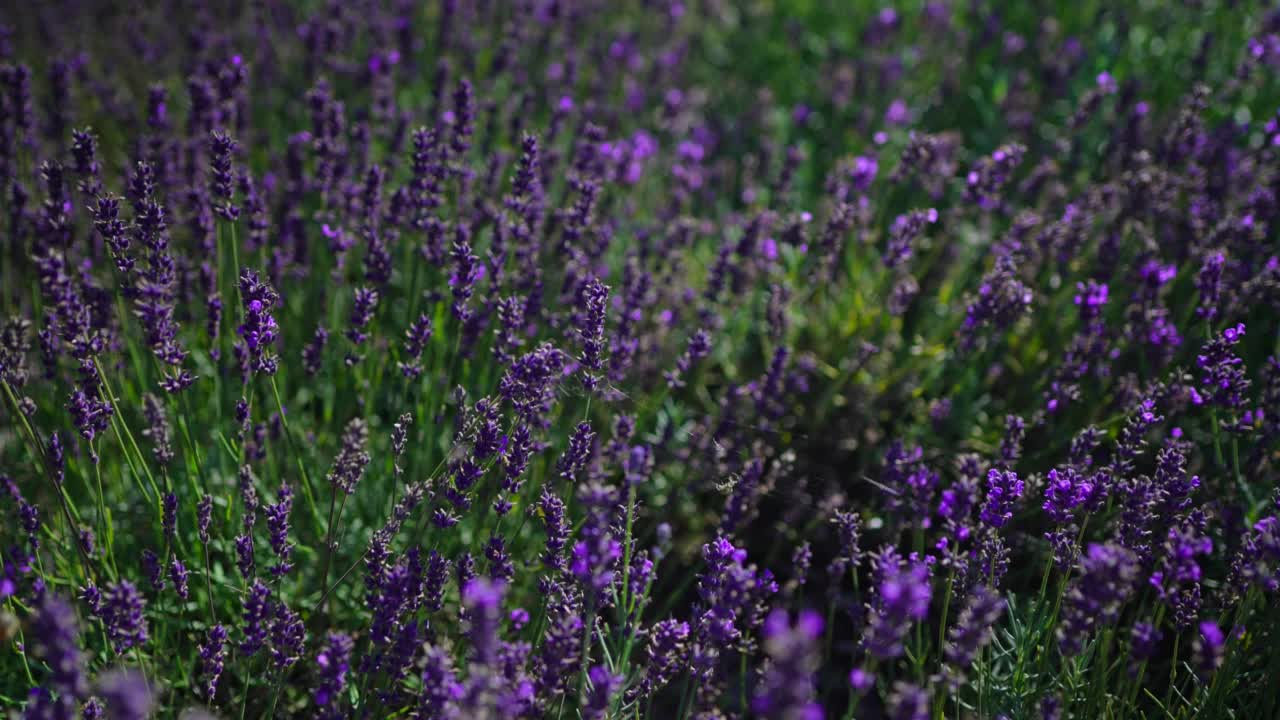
{"type": "Point", "coordinates": [293, 450]}
{"type": "Point", "coordinates": [111, 397]}
{"type": "Point", "coordinates": [37, 449]}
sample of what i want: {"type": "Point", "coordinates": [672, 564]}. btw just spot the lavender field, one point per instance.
{"type": "Point", "coordinates": [640, 359]}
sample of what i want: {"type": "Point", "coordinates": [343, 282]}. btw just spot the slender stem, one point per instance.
{"type": "Point", "coordinates": [293, 450]}
{"type": "Point", "coordinates": [946, 606]}
{"type": "Point", "coordinates": [111, 397]}
{"type": "Point", "coordinates": [685, 697]}
{"type": "Point", "coordinates": [275, 697]}
{"type": "Point", "coordinates": [587, 632]}
{"type": "Point", "coordinates": [108, 532]}
{"type": "Point", "coordinates": [208, 581]}
{"type": "Point", "coordinates": [37, 449]}
{"type": "Point", "coordinates": [328, 551]}
{"type": "Point", "coordinates": [1173, 670]}
{"type": "Point", "coordinates": [626, 552]}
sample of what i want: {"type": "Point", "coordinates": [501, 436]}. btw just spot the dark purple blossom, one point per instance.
{"type": "Point", "coordinates": [333, 662]}
{"type": "Point", "coordinates": [222, 178]}
{"type": "Point", "coordinates": [664, 655]}
{"type": "Point", "coordinates": [901, 598]}
{"type": "Point", "coordinates": [788, 689]}
{"type": "Point", "coordinates": [604, 685]}
{"type": "Point", "coordinates": [349, 465]}
{"type": "Point", "coordinates": [178, 574]}
{"type": "Point", "coordinates": [213, 657]}
{"type": "Point", "coordinates": [1108, 575]}
{"type": "Point", "coordinates": [1208, 649]}
{"type": "Point", "coordinates": [973, 628]}
{"type": "Point", "coordinates": [126, 694]}
{"type": "Point", "coordinates": [278, 529]}
{"type": "Point", "coordinates": [121, 611]}
{"type": "Point", "coordinates": [54, 639]}
{"type": "Point", "coordinates": [907, 702]}
{"type": "Point", "coordinates": [591, 320]}
{"type": "Point", "coordinates": [1004, 488]}
{"type": "Point", "coordinates": [258, 329]}
{"type": "Point", "coordinates": [257, 618]}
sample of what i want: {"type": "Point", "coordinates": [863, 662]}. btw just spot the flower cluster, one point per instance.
{"type": "Point", "coordinates": [639, 360]}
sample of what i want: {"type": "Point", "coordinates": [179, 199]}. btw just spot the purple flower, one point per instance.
{"type": "Point", "coordinates": [664, 657]}
{"type": "Point", "coordinates": [500, 565]}
{"type": "Point", "coordinates": [466, 271]}
{"type": "Point", "coordinates": [1108, 575]}
{"type": "Point", "coordinates": [278, 529]}
{"type": "Point", "coordinates": [901, 598]}
{"type": "Point", "coordinates": [906, 229]}
{"type": "Point", "coordinates": [436, 577]}
{"type": "Point", "coordinates": [788, 691]}
{"type": "Point", "coordinates": [733, 599]}
{"type": "Point", "coordinates": [259, 329]}
{"type": "Point", "coordinates": [126, 694]}
{"type": "Point", "coordinates": [257, 608]}
{"type": "Point", "coordinates": [313, 353]}
{"type": "Point", "coordinates": [984, 182]}
{"type": "Point", "coordinates": [1002, 299]}
{"type": "Point", "coordinates": [1223, 381]}
{"type": "Point", "coordinates": [552, 509]}
{"type": "Point", "coordinates": [158, 432]}
{"type": "Point", "coordinates": [440, 687]}
{"type": "Point", "coordinates": [596, 552]}
{"type": "Point", "coordinates": [204, 515]}
{"type": "Point", "coordinates": [1143, 639]}
{"type": "Point", "coordinates": [699, 347]}
{"type": "Point", "coordinates": [244, 556]}
{"type": "Point", "coordinates": [151, 566]}
{"type": "Point", "coordinates": [1208, 649]}
{"type": "Point", "coordinates": [1065, 490]}
{"type": "Point", "coordinates": [121, 611]}
{"type": "Point", "coordinates": [907, 702]}
{"type": "Point", "coordinates": [349, 465]}
{"type": "Point", "coordinates": [591, 319]}
{"type": "Point", "coordinates": [530, 383]}
{"type": "Point", "coordinates": [222, 178]}
{"type": "Point", "coordinates": [1176, 578]}
{"type": "Point", "coordinates": [861, 681]}
{"type": "Point", "coordinates": [332, 662]}
{"type": "Point", "coordinates": [178, 574]}
{"type": "Point", "coordinates": [363, 306]}
{"type": "Point", "coordinates": [973, 628]}
{"type": "Point", "coordinates": [287, 637]}
{"type": "Point", "coordinates": [54, 638]}
{"type": "Point", "coordinates": [1209, 283]}
{"type": "Point", "coordinates": [1004, 488]}
{"type": "Point", "coordinates": [213, 657]}
{"type": "Point", "coordinates": [482, 601]}
{"type": "Point", "coordinates": [577, 453]}
{"type": "Point", "coordinates": [604, 685]}
{"type": "Point", "coordinates": [910, 483]}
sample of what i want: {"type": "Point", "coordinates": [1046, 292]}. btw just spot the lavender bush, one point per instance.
{"type": "Point", "coordinates": [658, 359]}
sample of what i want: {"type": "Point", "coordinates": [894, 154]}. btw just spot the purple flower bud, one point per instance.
{"type": "Point", "coordinates": [901, 598]}
{"type": "Point", "coordinates": [787, 689]}
{"type": "Point", "coordinates": [1208, 649]}
{"type": "Point", "coordinates": [332, 662]}
{"type": "Point", "coordinates": [349, 465]}
{"type": "Point", "coordinates": [213, 657]}
{"type": "Point", "coordinates": [1108, 575]}
{"type": "Point", "coordinates": [257, 609]}
{"type": "Point", "coordinates": [126, 694]}
{"type": "Point", "coordinates": [178, 574]}
{"type": "Point", "coordinates": [1004, 488]}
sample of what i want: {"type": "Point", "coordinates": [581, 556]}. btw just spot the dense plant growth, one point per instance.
{"type": "Point", "coordinates": [640, 359]}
